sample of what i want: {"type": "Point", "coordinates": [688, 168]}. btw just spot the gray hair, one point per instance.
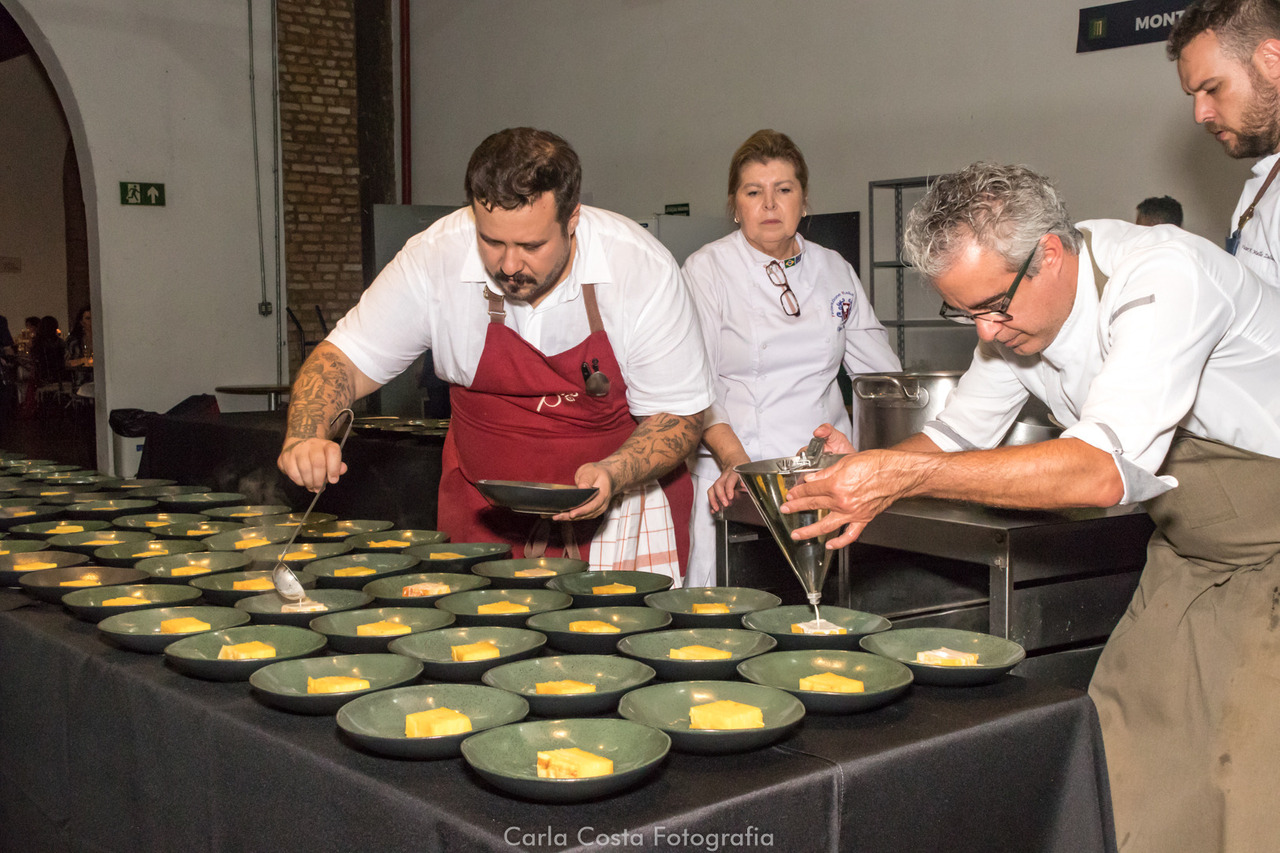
{"type": "Point", "coordinates": [1005, 209]}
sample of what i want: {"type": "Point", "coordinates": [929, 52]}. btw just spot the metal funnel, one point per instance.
{"type": "Point", "coordinates": [768, 483]}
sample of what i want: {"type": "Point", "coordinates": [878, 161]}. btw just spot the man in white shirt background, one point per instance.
{"type": "Point", "coordinates": [1228, 56]}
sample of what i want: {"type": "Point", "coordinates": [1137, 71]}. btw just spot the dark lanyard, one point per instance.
{"type": "Point", "coordinates": [1233, 242]}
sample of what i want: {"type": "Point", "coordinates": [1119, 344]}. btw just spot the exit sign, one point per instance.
{"type": "Point", "coordinates": [138, 193]}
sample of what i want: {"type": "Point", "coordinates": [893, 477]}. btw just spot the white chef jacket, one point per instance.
{"type": "Point", "coordinates": [431, 295]}
{"type": "Point", "coordinates": [1259, 248]}
{"type": "Point", "coordinates": [775, 375]}
{"type": "Point", "coordinates": [1183, 335]}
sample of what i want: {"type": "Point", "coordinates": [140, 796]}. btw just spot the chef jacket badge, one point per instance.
{"type": "Point", "coordinates": [841, 307]}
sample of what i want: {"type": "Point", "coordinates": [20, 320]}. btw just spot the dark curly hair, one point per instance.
{"type": "Point", "coordinates": [513, 167]}
{"type": "Point", "coordinates": [1240, 25]}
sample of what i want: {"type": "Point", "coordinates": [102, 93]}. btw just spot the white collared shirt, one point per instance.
{"type": "Point", "coordinates": [775, 375]}
{"type": "Point", "coordinates": [431, 295]}
{"type": "Point", "coordinates": [1259, 248]}
{"type": "Point", "coordinates": [1183, 335]}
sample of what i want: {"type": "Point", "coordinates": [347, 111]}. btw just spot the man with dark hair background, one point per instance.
{"type": "Point", "coordinates": [1228, 56]}
{"type": "Point", "coordinates": [1159, 210]}
{"type": "Point", "coordinates": [573, 352]}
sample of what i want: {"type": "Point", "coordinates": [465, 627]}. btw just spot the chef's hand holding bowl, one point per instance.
{"type": "Point", "coordinates": [592, 475]}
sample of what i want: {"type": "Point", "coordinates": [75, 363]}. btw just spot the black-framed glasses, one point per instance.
{"type": "Point", "coordinates": [998, 314]}
{"type": "Point", "coordinates": [788, 298]}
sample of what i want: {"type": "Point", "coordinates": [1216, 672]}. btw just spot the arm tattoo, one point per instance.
{"type": "Point", "coordinates": [658, 445]}
{"type": "Point", "coordinates": [323, 388]}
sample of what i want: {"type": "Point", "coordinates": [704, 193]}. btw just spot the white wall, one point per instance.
{"type": "Point", "coordinates": [656, 94]}
{"type": "Point", "coordinates": [32, 227]}
{"type": "Point", "coordinates": [159, 92]}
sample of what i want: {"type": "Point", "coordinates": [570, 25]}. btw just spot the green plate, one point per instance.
{"type": "Point", "coordinates": [198, 656]}
{"type": "Point", "coordinates": [129, 553]}
{"type": "Point", "coordinates": [740, 599]}
{"type": "Point", "coordinates": [295, 519]}
{"type": "Point", "coordinates": [140, 630]}
{"type": "Point", "coordinates": [628, 620]}
{"type": "Point", "coordinates": [369, 541]}
{"type": "Point", "coordinates": [503, 572]}
{"type": "Point", "coordinates": [199, 530]}
{"type": "Point", "coordinates": [230, 541]}
{"type": "Point", "coordinates": [996, 655]}
{"type": "Point", "coordinates": [666, 707]}
{"type": "Point", "coordinates": [146, 483]}
{"type": "Point", "coordinates": [27, 513]}
{"type": "Point", "coordinates": [580, 586]}
{"type": "Point", "coordinates": [151, 520]}
{"type": "Point", "coordinates": [266, 608]}
{"type": "Point", "coordinates": [219, 588]}
{"type": "Point", "coordinates": [87, 603]}
{"type": "Point", "coordinates": [376, 721]}
{"type": "Point", "coordinates": [46, 584]}
{"type": "Point", "coordinates": [342, 628]}
{"type": "Point", "coordinates": [336, 531]}
{"type": "Point", "coordinates": [109, 510]}
{"type": "Point", "coordinates": [161, 569]}
{"type": "Point", "coordinates": [390, 591]}
{"type": "Point", "coordinates": [613, 676]}
{"type": "Point", "coordinates": [244, 513]}
{"type": "Point", "coordinates": [434, 649]}
{"type": "Point", "coordinates": [200, 501]}
{"type": "Point", "coordinates": [11, 571]}
{"type": "Point", "coordinates": [90, 541]}
{"type": "Point", "coordinates": [39, 472]}
{"type": "Point", "coordinates": [283, 685]}
{"type": "Point", "coordinates": [507, 757]}
{"type": "Point", "coordinates": [469, 553]}
{"type": "Point", "coordinates": [533, 498]}
{"type": "Point", "coordinates": [381, 566]}
{"type": "Point", "coordinates": [884, 680]}
{"type": "Point", "coordinates": [21, 546]}
{"type": "Point", "coordinates": [54, 494]}
{"type": "Point", "coordinates": [299, 555]}
{"type": "Point", "coordinates": [168, 490]}
{"type": "Point", "coordinates": [654, 649]}
{"type": "Point", "coordinates": [18, 502]}
{"type": "Point", "coordinates": [777, 622]}
{"type": "Point", "coordinates": [464, 605]}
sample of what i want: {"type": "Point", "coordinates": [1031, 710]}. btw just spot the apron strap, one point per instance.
{"type": "Point", "coordinates": [497, 307]}
{"type": "Point", "coordinates": [593, 309]}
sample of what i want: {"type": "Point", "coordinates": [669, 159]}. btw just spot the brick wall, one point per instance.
{"type": "Point", "coordinates": [320, 166]}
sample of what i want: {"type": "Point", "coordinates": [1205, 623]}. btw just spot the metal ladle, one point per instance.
{"type": "Point", "coordinates": [285, 581]}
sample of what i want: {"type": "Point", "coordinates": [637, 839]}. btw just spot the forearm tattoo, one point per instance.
{"type": "Point", "coordinates": [658, 445]}
{"type": "Point", "coordinates": [323, 388]}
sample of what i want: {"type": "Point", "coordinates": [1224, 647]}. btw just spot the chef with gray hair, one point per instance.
{"type": "Point", "coordinates": [1157, 352]}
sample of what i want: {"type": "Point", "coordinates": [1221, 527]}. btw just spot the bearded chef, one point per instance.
{"type": "Point", "coordinates": [572, 349]}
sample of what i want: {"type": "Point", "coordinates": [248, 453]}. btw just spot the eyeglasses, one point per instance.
{"type": "Point", "coordinates": [999, 314]}
{"type": "Point", "coordinates": [788, 298]}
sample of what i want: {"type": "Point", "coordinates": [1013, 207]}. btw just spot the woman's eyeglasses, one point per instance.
{"type": "Point", "coordinates": [788, 298]}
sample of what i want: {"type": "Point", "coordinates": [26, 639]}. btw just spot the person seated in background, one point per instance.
{"type": "Point", "coordinates": [80, 338]}
{"type": "Point", "coordinates": [27, 335]}
{"type": "Point", "coordinates": [48, 353]}
{"type": "Point", "coordinates": [1164, 210]}
{"type": "Point", "coordinates": [779, 315]}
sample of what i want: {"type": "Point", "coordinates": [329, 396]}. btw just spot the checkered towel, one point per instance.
{"type": "Point", "coordinates": [637, 534]}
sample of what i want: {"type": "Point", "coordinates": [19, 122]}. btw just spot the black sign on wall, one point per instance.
{"type": "Point", "coordinates": [1123, 24]}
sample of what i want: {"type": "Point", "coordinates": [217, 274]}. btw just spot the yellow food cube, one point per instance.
{"type": "Point", "coordinates": [185, 625]}
{"type": "Point", "coordinates": [33, 565]}
{"type": "Point", "coordinates": [947, 657]}
{"type": "Point", "coordinates": [124, 601]}
{"type": "Point", "coordinates": [336, 684]}
{"type": "Point", "coordinates": [830, 682]}
{"type": "Point", "coordinates": [354, 572]}
{"type": "Point", "coordinates": [81, 582]}
{"type": "Point", "coordinates": [252, 650]}
{"type": "Point", "coordinates": [298, 555]}
{"type": "Point", "coordinates": [65, 528]}
{"type": "Point", "coordinates": [612, 589]}
{"type": "Point", "coordinates": [567, 686]}
{"type": "Point", "coordinates": [154, 523]}
{"type": "Point", "coordinates": [252, 542]}
{"type": "Point", "coordinates": [253, 584]}
{"type": "Point", "coordinates": [245, 514]}
{"type": "Point", "coordinates": [158, 552]}
{"type": "Point", "coordinates": [184, 571]}
{"type": "Point", "coordinates": [572, 763]}
{"type": "Point", "coordinates": [725, 714]}
{"type": "Point", "coordinates": [436, 723]}
{"type": "Point", "coordinates": [51, 494]}
{"type": "Point", "coordinates": [594, 626]}
{"type": "Point", "coordinates": [698, 653]}
{"type": "Point", "coordinates": [418, 590]}
{"type": "Point", "coordinates": [823, 632]}
{"type": "Point", "coordinates": [444, 555]}
{"type": "Point", "coordinates": [534, 573]}
{"type": "Point", "coordinates": [196, 531]}
{"type": "Point", "coordinates": [475, 651]}
{"type": "Point", "coordinates": [21, 512]}
{"type": "Point", "coordinates": [390, 543]}
{"type": "Point", "coordinates": [711, 607]}
{"type": "Point", "coordinates": [502, 607]}
{"type": "Point", "coordinates": [385, 628]}
{"type": "Point", "coordinates": [335, 533]}
{"type": "Point", "coordinates": [98, 542]}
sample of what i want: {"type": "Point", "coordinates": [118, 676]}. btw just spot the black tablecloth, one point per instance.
{"type": "Point", "coordinates": [103, 749]}
{"type": "Point", "coordinates": [393, 479]}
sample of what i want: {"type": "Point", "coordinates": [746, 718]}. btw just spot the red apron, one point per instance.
{"type": "Point", "coordinates": [527, 416]}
